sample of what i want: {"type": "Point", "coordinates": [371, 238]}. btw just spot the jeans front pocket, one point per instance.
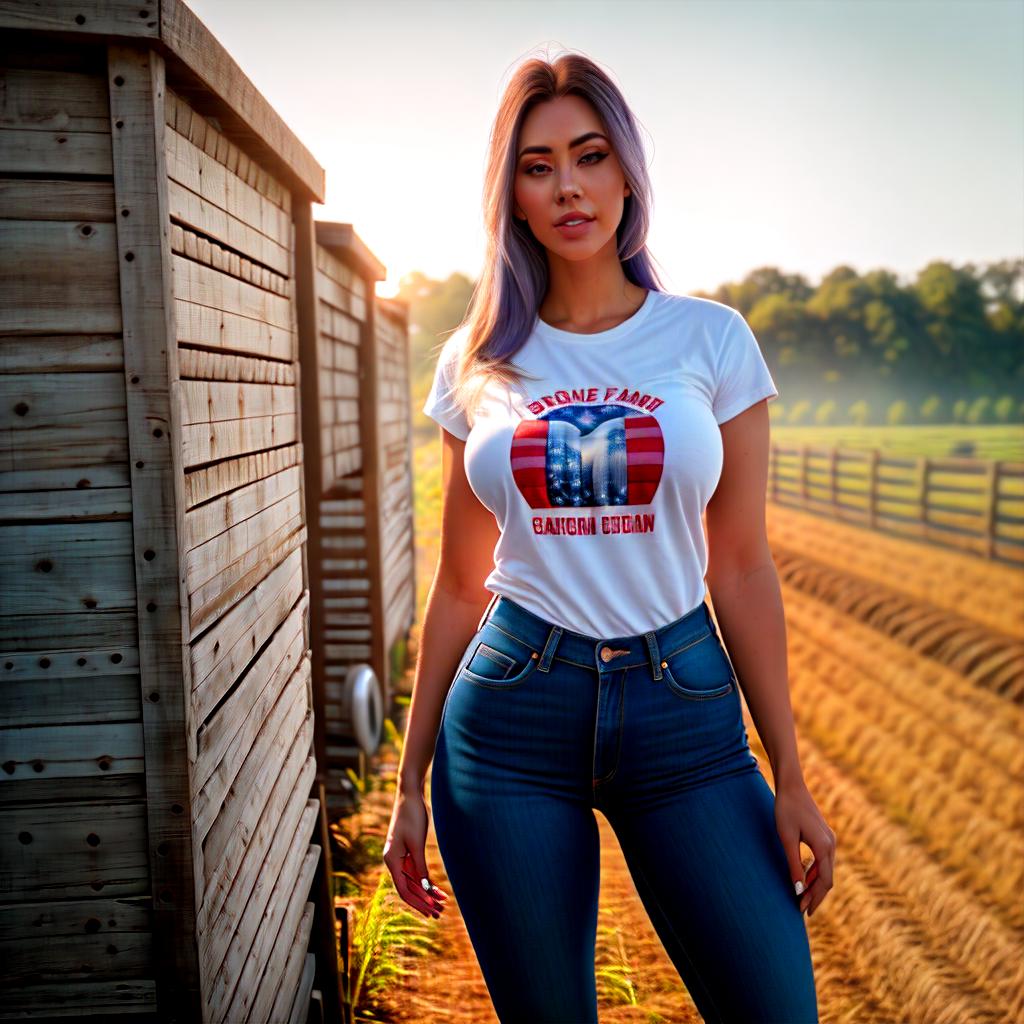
{"type": "Point", "coordinates": [699, 670]}
{"type": "Point", "coordinates": [499, 660]}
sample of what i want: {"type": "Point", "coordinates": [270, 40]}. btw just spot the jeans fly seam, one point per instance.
{"type": "Point", "coordinates": [618, 738]}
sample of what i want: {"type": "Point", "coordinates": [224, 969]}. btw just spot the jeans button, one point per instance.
{"type": "Point", "coordinates": [606, 654]}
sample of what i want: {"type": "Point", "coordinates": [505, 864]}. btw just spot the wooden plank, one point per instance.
{"type": "Point", "coordinates": [82, 998]}
{"type": "Point", "coordinates": [76, 631]}
{"type": "Point", "coordinates": [205, 286]}
{"type": "Point", "coordinates": [49, 455]}
{"type": "Point", "coordinates": [30, 152]}
{"type": "Point", "coordinates": [214, 401]}
{"type": "Point", "coordinates": [225, 554]}
{"type": "Point", "coordinates": [246, 795]}
{"type": "Point", "coordinates": [205, 176]}
{"type": "Point", "coordinates": [220, 656]}
{"type": "Point", "coordinates": [301, 1011]}
{"type": "Point", "coordinates": [58, 402]}
{"type": "Point", "coordinates": [65, 506]}
{"type": "Point", "coordinates": [232, 729]}
{"type": "Point", "coordinates": [210, 600]}
{"type": "Point", "coordinates": [221, 514]}
{"type": "Point", "coordinates": [237, 873]}
{"type": "Point", "coordinates": [313, 477]}
{"type": "Point", "coordinates": [61, 276]}
{"type": "Point", "coordinates": [138, 83]}
{"type": "Point", "coordinates": [92, 17]}
{"type": "Point", "coordinates": [57, 198]}
{"type": "Point", "coordinates": [57, 701]}
{"type": "Point", "coordinates": [42, 353]}
{"type": "Point", "coordinates": [289, 951]}
{"type": "Point", "coordinates": [198, 324]}
{"type": "Point", "coordinates": [210, 220]}
{"type": "Point", "coordinates": [66, 567]}
{"type": "Point", "coordinates": [64, 851]}
{"type": "Point", "coordinates": [207, 483]}
{"type": "Point", "coordinates": [48, 99]}
{"type": "Point", "coordinates": [107, 789]}
{"type": "Point", "coordinates": [74, 940]}
{"type": "Point", "coordinates": [263, 972]}
{"type": "Point", "coordinates": [207, 442]}
{"type": "Point", "coordinates": [71, 751]}
{"type": "Point", "coordinates": [197, 363]}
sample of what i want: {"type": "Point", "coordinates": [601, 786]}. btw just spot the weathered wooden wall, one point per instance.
{"type": "Point", "coordinates": [398, 562]}
{"type": "Point", "coordinates": [359, 480]}
{"type": "Point", "coordinates": [156, 715]}
{"type": "Point", "coordinates": [242, 556]}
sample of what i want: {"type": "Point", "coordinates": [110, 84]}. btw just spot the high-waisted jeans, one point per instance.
{"type": "Point", "coordinates": [541, 726]}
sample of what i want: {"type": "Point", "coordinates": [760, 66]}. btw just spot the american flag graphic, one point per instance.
{"type": "Point", "coordinates": [582, 456]}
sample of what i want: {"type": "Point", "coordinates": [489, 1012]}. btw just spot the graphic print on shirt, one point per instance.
{"type": "Point", "coordinates": [590, 455]}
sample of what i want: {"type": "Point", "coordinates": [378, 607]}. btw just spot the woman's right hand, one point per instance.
{"type": "Point", "coordinates": [405, 857]}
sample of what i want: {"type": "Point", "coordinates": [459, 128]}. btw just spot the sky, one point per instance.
{"type": "Point", "coordinates": [800, 134]}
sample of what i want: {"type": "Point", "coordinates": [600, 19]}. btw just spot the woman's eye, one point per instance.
{"type": "Point", "coordinates": [597, 154]}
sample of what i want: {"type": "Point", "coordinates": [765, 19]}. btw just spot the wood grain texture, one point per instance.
{"type": "Point", "coordinates": [137, 78]}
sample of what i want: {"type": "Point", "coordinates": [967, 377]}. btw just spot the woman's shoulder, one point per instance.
{"type": "Point", "coordinates": [698, 307]}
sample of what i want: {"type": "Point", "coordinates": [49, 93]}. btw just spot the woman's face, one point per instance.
{"type": "Point", "coordinates": [566, 163]}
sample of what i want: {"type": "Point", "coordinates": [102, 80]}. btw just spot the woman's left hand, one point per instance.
{"type": "Point", "coordinates": [797, 818]}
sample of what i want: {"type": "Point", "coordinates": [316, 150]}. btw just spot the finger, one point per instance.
{"type": "Point", "coordinates": [791, 844]}
{"type": "Point", "coordinates": [416, 867]}
{"type": "Point", "coordinates": [824, 880]}
{"type": "Point", "coordinates": [822, 870]}
{"type": "Point", "coordinates": [416, 886]}
{"type": "Point", "coordinates": [416, 897]}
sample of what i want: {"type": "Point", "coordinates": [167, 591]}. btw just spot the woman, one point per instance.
{"type": "Point", "coordinates": [575, 476]}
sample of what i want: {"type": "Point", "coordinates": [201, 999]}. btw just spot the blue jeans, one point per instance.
{"type": "Point", "coordinates": [541, 726]}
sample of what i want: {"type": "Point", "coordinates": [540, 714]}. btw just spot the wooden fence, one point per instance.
{"type": "Point", "coordinates": [975, 505]}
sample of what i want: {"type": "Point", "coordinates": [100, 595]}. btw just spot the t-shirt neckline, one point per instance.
{"type": "Point", "coordinates": [545, 330]}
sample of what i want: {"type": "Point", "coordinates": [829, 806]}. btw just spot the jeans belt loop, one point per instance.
{"type": "Point", "coordinates": [652, 647]}
{"type": "Point", "coordinates": [549, 649]}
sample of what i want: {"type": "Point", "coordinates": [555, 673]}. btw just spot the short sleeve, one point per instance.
{"type": "Point", "coordinates": [439, 405]}
{"type": "Point", "coordinates": [742, 376]}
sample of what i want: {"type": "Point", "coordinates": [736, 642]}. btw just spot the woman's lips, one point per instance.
{"type": "Point", "coordinates": [574, 230]}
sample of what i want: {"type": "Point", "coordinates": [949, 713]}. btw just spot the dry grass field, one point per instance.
{"type": "Point", "coordinates": [907, 674]}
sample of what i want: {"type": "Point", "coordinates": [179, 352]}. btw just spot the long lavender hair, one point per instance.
{"type": "Point", "coordinates": [503, 308]}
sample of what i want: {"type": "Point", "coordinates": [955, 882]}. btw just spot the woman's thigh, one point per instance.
{"type": "Point", "coordinates": [511, 809]}
{"type": "Point", "coordinates": [712, 873]}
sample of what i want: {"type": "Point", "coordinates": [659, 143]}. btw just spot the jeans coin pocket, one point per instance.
{"type": "Point", "coordinates": [699, 670]}
{"type": "Point", "coordinates": [499, 659]}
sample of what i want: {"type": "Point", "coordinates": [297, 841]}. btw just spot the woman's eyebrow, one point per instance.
{"type": "Point", "coordinates": [572, 145]}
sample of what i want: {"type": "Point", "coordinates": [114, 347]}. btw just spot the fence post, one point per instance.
{"type": "Point", "coordinates": [991, 501]}
{"type": "Point", "coordinates": [833, 494]}
{"type": "Point", "coordinates": [872, 487]}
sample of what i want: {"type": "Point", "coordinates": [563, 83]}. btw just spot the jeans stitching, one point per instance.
{"type": "Point", "coordinates": [618, 738]}
{"type": "Point", "coordinates": [687, 646]}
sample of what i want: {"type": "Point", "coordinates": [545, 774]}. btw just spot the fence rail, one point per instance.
{"type": "Point", "coordinates": [976, 505]}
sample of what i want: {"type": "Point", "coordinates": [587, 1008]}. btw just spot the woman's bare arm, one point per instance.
{"type": "Point", "coordinates": [455, 602]}
{"type": "Point", "coordinates": [745, 588]}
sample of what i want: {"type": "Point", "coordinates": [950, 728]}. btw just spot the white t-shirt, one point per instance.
{"type": "Point", "coordinates": [599, 472]}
